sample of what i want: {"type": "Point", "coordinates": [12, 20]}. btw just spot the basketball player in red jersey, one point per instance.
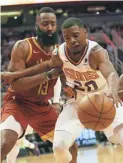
{"type": "Point", "coordinates": [26, 102]}
{"type": "Point", "coordinates": [88, 69]}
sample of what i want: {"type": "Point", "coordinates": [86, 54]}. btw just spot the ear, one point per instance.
{"type": "Point", "coordinates": [85, 31]}
{"type": "Point", "coordinates": [37, 20]}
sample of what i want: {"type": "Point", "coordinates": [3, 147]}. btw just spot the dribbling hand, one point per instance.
{"type": "Point", "coordinates": [114, 96]}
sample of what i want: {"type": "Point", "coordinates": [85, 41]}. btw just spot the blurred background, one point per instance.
{"type": "Point", "coordinates": [102, 19]}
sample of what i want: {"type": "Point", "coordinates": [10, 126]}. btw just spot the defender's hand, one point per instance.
{"type": "Point", "coordinates": [54, 73]}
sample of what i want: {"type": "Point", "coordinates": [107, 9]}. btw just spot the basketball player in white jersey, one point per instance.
{"type": "Point", "coordinates": [88, 69]}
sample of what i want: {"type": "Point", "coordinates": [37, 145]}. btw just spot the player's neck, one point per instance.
{"type": "Point", "coordinates": [48, 49]}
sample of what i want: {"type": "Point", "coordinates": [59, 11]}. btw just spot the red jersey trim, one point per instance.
{"type": "Point", "coordinates": [83, 55]}
{"type": "Point", "coordinates": [30, 51]}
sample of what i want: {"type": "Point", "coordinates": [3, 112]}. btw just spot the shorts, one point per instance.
{"type": "Point", "coordinates": [41, 118]}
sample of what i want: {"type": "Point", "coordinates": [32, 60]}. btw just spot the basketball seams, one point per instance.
{"type": "Point", "coordinates": [103, 102]}
{"type": "Point", "coordinates": [92, 104]}
{"type": "Point", "coordinates": [110, 109]}
{"type": "Point", "coordinates": [95, 122]}
{"type": "Point", "coordinates": [90, 114]}
{"type": "Point", "coordinates": [95, 115]}
{"type": "Point", "coordinates": [101, 118]}
{"type": "Point", "coordinates": [100, 112]}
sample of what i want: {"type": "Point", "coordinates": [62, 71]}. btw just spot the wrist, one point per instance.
{"type": "Point", "coordinates": [17, 74]}
{"type": "Point", "coordinates": [48, 75]}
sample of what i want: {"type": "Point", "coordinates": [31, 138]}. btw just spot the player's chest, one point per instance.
{"type": "Point", "coordinates": [37, 58]}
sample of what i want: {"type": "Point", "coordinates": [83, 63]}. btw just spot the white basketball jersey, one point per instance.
{"type": "Point", "coordinates": [81, 76]}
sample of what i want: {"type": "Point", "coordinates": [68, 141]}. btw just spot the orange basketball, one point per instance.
{"type": "Point", "coordinates": [96, 111]}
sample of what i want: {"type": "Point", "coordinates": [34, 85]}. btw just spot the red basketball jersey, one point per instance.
{"type": "Point", "coordinates": [43, 92]}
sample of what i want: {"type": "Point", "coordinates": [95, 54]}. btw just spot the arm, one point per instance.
{"type": "Point", "coordinates": [31, 81]}
{"type": "Point", "coordinates": [99, 60]}
{"type": "Point", "coordinates": [42, 67]}
{"type": "Point", "coordinates": [67, 90]}
{"type": "Point", "coordinates": [17, 63]}
{"type": "Point", "coordinates": [15, 72]}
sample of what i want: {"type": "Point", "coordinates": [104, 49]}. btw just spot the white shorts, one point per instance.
{"type": "Point", "coordinates": [11, 124]}
{"type": "Point", "coordinates": [68, 120]}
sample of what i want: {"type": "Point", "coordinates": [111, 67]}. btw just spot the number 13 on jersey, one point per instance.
{"type": "Point", "coordinates": [43, 88]}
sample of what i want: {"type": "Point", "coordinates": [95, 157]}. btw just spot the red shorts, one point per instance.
{"type": "Point", "coordinates": [41, 118]}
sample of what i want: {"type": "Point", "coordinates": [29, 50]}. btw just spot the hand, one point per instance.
{"type": "Point", "coordinates": [57, 107]}
{"type": "Point", "coordinates": [8, 77]}
{"type": "Point", "coordinates": [54, 73]}
{"type": "Point", "coordinates": [114, 96]}
{"type": "Point", "coordinates": [69, 92]}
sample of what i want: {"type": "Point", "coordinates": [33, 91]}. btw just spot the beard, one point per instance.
{"type": "Point", "coordinates": [45, 39]}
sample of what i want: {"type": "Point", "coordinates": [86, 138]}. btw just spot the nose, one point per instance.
{"type": "Point", "coordinates": [72, 41]}
{"type": "Point", "coordinates": [49, 28]}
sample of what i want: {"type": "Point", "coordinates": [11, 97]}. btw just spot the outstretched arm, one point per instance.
{"type": "Point", "coordinates": [102, 62]}
{"type": "Point", "coordinates": [32, 81]}
{"type": "Point", "coordinates": [17, 66]}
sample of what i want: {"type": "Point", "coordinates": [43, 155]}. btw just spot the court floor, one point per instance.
{"type": "Point", "coordinates": [98, 154]}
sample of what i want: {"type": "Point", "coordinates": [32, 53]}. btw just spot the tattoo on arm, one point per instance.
{"type": "Point", "coordinates": [96, 48]}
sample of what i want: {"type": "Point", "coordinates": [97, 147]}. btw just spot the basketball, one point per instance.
{"type": "Point", "coordinates": [96, 111]}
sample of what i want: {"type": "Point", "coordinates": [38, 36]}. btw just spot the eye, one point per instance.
{"type": "Point", "coordinates": [45, 23]}
{"type": "Point", "coordinates": [76, 35]}
{"type": "Point", "coordinates": [66, 38]}
{"type": "Point", "coordinates": [53, 24]}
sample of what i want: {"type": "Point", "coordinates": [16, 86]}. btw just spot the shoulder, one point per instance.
{"type": "Point", "coordinates": [98, 52]}
{"type": "Point", "coordinates": [95, 46]}
{"type": "Point", "coordinates": [21, 47]}
{"type": "Point", "coordinates": [97, 56]}
{"type": "Point", "coordinates": [22, 44]}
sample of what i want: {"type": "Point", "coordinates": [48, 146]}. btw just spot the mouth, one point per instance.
{"type": "Point", "coordinates": [75, 47]}
{"type": "Point", "coordinates": [50, 34]}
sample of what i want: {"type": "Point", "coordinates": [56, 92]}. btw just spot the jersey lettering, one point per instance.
{"type": "Point", "coordinates": [81, 76]}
